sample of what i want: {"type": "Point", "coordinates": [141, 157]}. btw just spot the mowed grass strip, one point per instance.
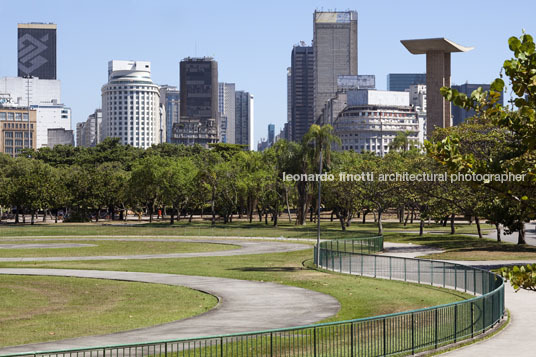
{"type": "Point", "coordinates": [359, 296]}
{"type": "Point", "coordinates": [40, 309]}
{"type": "Point", "coordinates": [462, 247]}
{"type": "Point", "coordinates": [109, 247]}
{"type": "Point", "coordinates": [330, 230]}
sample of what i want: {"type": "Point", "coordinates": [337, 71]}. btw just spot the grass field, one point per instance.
{"type": "Point", "coordinates": [239, 229]}
{"type": "Point", "coordinates": [39, 309]}
{"type": "Point", "coordinates": [463, 247]}
{"type": "Point", "coordinates": [102, 247]}
{"type": "Point", "coordinates": [354, 293]}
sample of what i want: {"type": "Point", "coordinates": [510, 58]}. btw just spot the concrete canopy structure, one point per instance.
{"type": "Point", "coordinates": [437, 52]}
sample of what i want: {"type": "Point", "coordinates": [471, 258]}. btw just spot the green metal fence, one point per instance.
{"type": "Point", "coordinates": [393, 334]}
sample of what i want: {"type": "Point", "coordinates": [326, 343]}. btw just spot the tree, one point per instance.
{"type": "Point", "coordinates": [517, 153]}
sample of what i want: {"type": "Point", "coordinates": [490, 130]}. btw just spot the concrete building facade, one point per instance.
{"type": "Point", "coordinates": [199, 119]}
{"type": "Point", "coordinates": [60, 137]}
{"type": "Point", "coordinates": [88, 133]}
{"type": "Point", "coordinates": [437, 52]}
{"type": "Point", "coordinates": [244, 116]}
{"type": "Point", "coordinates": [17, 129]}
{"type": "Point", "coordinates": [131, 108]}
{"type": "Point", "coordinates": [335, 53]}
{"type": "Point", "coordinates": [226, 107]}
{"type": "Point", "coordinates": [372, 120]}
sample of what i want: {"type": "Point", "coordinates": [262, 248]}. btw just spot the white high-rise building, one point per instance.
{"type": "Point", "coordinates": [131, 107]}
{"type": "Point", "coordinates": [43, 95]}
{"type": "Point", "coordinates": [226, 108]}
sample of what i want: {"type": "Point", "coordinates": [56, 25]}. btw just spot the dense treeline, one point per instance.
{"type": "Point", "coordinates": [226, 181]}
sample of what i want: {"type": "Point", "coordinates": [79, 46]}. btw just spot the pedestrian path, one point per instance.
{"type": "Point", "coordinates": [243, 306]}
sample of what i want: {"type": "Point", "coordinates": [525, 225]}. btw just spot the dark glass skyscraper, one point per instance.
{"type": "Point", "coordinates": [460, 115]}
{"type": "Point", "coordinates": [301, 91]}
{"type": "Point", "coordinates": [37, 50]}
{"type": "Point", "coordinates": [401, 81]}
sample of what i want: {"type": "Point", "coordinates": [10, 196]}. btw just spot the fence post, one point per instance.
{"type": "Point", "coordinates": [436, 327]}
{"type": "Point", "coordinates": [444, 274]}
{"type": "Point", "coordinates": [465, 279]}
{"type": "Point", "coordinates": [271, 343]}
{"type": "Point", "coordinates": [455, 322]}
{"type": "Point", "coordinates": [431, 273]}
{"type": "Point", "coordinates": [314, 341]}
{"type": "Point", "coordinates": [483, 314]}
{"type": "Point", "coordinates": [221, 347]}
{"type": "Point", "coordinates": [375, 266]}
{"type": "Point", "coordinates": [412, 334]}
{"type": "Point", "coordinates": [165, 349]}
{"type": "Point", "coordinates": [384, 338]}
{"type": "Point", "coordinates": [419, 271]}
{"type": "Point", "coordinates": [390, 268]}
{"type": "Point", "coordinates": [350, 264]}
{"type": "Point", "coordinates": [472, 320]}
{"type": "Point", "coordinates": [405, 269]}
{"type": "Point", "coordinates": [351, 339]}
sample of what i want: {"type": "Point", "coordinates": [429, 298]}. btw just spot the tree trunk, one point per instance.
{"type": "Point", "coordinates": [380, 226]}
{"type": "Point", "coordinates": [266, 218]}
{"type": "Point", "coordinates": [288, 207]}
{"type": "Point", "coordinates": [190, 219]}
{"type": "Point", "coordinates": [521, 235]}
{"type": "Point", "coordinates": [56, 217]}
{"type": "Point", "coordinates": [172, 218]}
{"type": "Point", "coordinates": [498, 228]}
{"type": "Point", "coordinates": [452, 228]}
{"type": "Point", "coordinates": [331, 218]}
{"type": "Point", "coordinates": [275, 219]}
{"type": "Point", "coordinates": [406, 220]}
{"type": "Point", "coordinates": [45, 215]}
{"type": "Point", "coordinates": [477, 221]}
{"type": "Point", "coordinates": [365, 215]}
{"type": "Point", "coordinates": [401, 214]}
{"type": "Point", "coordinates": [213, 208]}
{"type": "Point", "coordinates": [32, 220]}
{"type": "Point", "coordinates": [421, 228]}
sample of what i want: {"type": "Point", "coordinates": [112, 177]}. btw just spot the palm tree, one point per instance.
{"type": "Point", "coordinates": [321, 137]}
{"type": "Point", "coordinates": [403, 141]}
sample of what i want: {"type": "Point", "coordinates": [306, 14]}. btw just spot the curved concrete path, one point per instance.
{"type": "Point", "coordinates": [517, 339]}
{"type": "Point", "coordinates": [45, 246]}
{"type": "Point", "coordinates": [246, 247]}
{"type": "Point", "coordinates": [244, 306]}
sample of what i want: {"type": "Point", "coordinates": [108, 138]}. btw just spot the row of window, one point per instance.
{"type": "Point", "coordinates": [11, 116]}
{"type": "Point", "coordinates": [17, 126]}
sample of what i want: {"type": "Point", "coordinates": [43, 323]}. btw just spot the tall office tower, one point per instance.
{"type": "Point", "coordinates": [302, 91]}
{"type": "Point", "coordinates": [271, 134]}
{"type": "Point", "coordinates": [244, 116]}
{"type": "Point", "coordinates": [170, 98]}
{"type": "Point", "coordinates": [335, 53]}
{"type": "Point", "coordinates": [226, 107]}
{"type": "Point", "coordinates": [131, 107]}
{"type": "Point", "coordinates": [88, 133]}
{"type": "Point", "coordinates": [37, 50]}
{"type": "Point", "coordinates": [460, 115]}
{"type": "Point", "coordinates": [289, 102]}
{"type": "Point", "coordinates": [400, 82]}
{"type": "Point", "coordinates": [199, 102]}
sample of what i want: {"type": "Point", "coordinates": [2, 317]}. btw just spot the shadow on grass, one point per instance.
{"type": "Point", "coordinates": [268, 269]}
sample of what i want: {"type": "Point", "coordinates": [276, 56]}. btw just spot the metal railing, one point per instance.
{"type": "Point", "coordinates": [400, 333]}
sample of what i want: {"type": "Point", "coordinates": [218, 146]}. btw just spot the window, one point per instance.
{"type": "Point", "coordinates": [24, 116]}
{"type": "Point", "coordinates": [3, 116]}
{"type": "Point", "coordinates": [18, 116]}
{"type": "Point", "coordinates": [10, 116]}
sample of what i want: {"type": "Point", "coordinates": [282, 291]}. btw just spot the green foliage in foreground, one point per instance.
{"type": "Point", "coordinates": [523, 277]}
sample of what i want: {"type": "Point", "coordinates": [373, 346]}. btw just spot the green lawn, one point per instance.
{"type": "Point", "coordinates": [355, 294]}
{"type": "Point", "coordinates": [110, 247]}
{"type": "Point", "coordinates": [241, 229]}
{"type": "Point", "coordinates": [39, 309]}
{"type": "Point", "coordinates": [462, 247]}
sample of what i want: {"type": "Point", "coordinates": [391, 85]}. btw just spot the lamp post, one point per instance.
{"type": "Point", "coordinates": [28, 77]}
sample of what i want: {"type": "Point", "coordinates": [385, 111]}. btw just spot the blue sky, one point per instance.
{"type": "Point", "coordinates": [252, 40]}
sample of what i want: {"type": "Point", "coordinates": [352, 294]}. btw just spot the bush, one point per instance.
{"type": "Point", "coordinates": [523, 277]}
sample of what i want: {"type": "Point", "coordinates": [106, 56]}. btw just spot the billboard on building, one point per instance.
{"type": "Point", "coordinates": [37, 50]}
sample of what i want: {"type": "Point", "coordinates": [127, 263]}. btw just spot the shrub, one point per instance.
{"type": "Point", "coordinates": [522, 277]}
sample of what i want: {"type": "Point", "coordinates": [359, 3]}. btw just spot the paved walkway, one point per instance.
{"type": "Point", "coordinates": [518, 338]}
{"type": "Point", "coordinates": [246, 247]}
{"type": "Point", "coordinates": [244, 306]}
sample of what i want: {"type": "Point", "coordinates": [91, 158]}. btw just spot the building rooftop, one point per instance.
{"type": "Point", "coordinates": [421, 46]}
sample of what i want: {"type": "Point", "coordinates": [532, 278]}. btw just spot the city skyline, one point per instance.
{"type": "Point", "coordinates": [253, 51]}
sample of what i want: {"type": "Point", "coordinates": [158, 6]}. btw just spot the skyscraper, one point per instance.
{"type": "Point", "coordinates": [401, 81]}
{"type": "Point", "coordinates": [37, 50]}
{"type": "Point", "coordinates": [271, 134]}
{"type": "Point", "coordinates": [301, 91]}
{"type": "Point", "coordinates": [244, 116]}
{"type": "Point", "coordinates": [198, 122]}
{"type": "Point", "coordinates": [170, 98]}
{"type": "Point", "coordinates": [226, 107]}
{"type": "Point", "coordinates": [460, 115]}
{"type": "Point", "coordinates": [131, 105]}
{"type": "Point", "coordinates": [335, 53]}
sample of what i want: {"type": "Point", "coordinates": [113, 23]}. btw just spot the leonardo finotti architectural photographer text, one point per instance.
{"type": "Point", "coordinates": [405, 176]}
